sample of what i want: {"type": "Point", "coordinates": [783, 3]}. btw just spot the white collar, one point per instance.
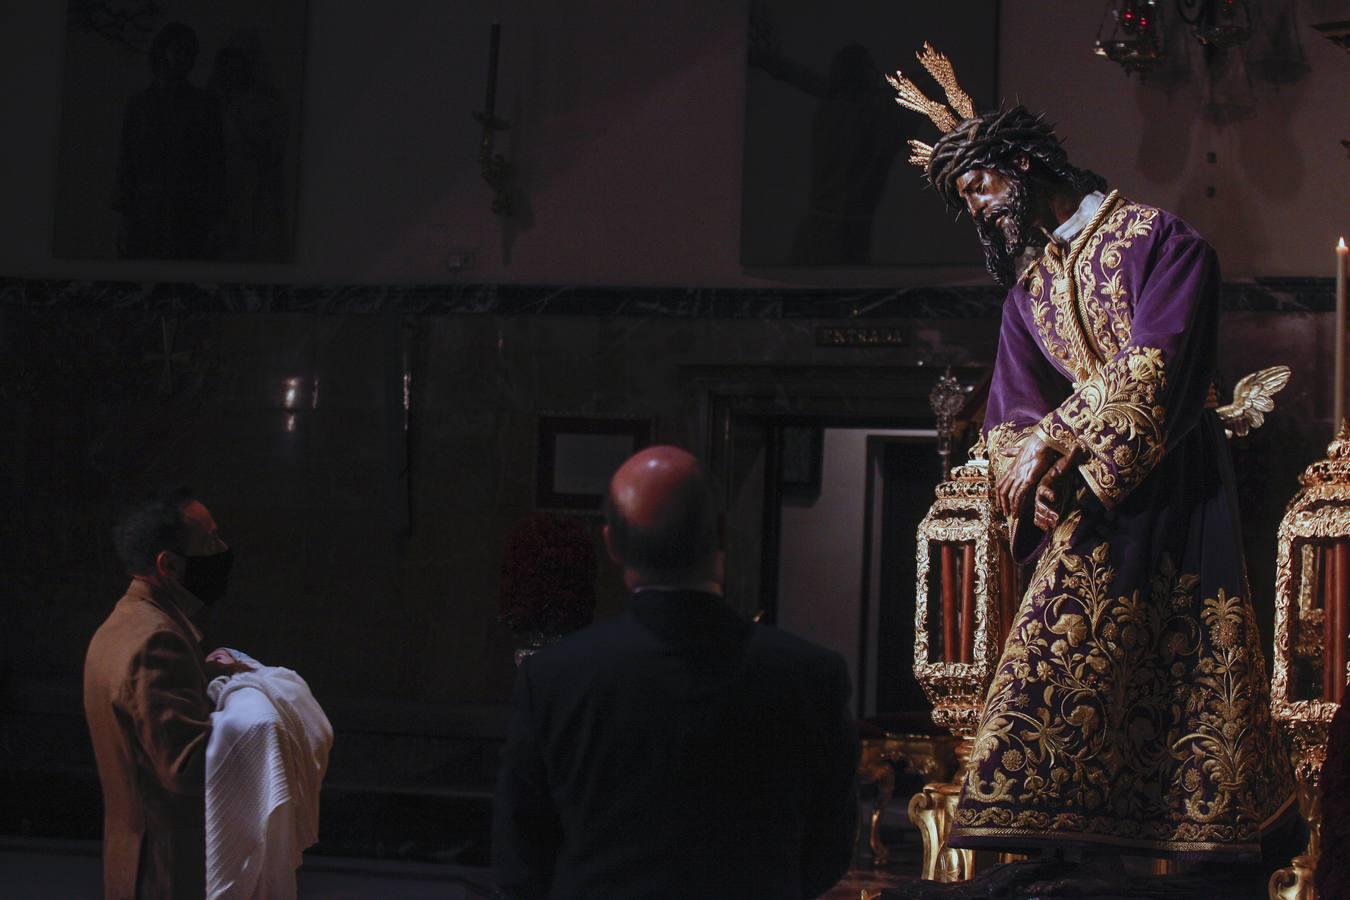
{"type": "Point", "coordinates": [1075, 223]}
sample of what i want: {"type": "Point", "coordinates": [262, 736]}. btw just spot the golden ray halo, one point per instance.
{"type": "Point", "coordinates": [946, 116]}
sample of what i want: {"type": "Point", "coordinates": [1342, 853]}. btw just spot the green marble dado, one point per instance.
{"type": "Point", "coordinates": [366, 460]}
{"type": "Point", "coordinates": [935, 302]}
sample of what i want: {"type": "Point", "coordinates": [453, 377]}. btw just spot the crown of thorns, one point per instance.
{"type": "Point", "coordinates": [969, 141]}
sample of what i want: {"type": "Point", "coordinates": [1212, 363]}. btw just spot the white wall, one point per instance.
{"type": "Point", "coordinates": [629, 144]}
{"type": "Point", "coordinates": [821, 551]}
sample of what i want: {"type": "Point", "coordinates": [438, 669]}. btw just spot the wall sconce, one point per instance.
{"type": "Point", "coordinates": [298, 395]}
{"type": "Point", "coordinates": [1336, 32]}
{"type": "Point", "coordinates": [1239, 40]}
{"type": "Point", "coordinates": [497, 170]}
{"type": "Point", "coordinates": [1339, 34]}
{"type": "Point", "coordinates": [1131, 33]}
{"type": "Point", "coordinates": [1217, 23]}
{"type": "Point", "coordinates": [1134, 38]}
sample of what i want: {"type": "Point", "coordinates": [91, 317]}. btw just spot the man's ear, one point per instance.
{"type": "Point", "coordinates": [609, 546]}
{"type": "Point", "coordinates": [1023, 162]}
{"type": "Point", "coordinates": [169, 563]}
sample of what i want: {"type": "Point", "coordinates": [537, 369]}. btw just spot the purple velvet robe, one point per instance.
{"type": "Point", "coordinates": [1130, 708]}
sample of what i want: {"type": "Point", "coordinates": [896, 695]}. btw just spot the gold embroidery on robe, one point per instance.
{"type": "Point", "coordinates": [1053, 290]}
{"type": "Point", "coordinates": [1081, 323]}
{"type": "Point", "coordinates": [1126, 719]}
{"type": "Point", "coordinates": [1107, 309]}
{"type": "Point", "coordinates": [1048, 291]}
{"type": "Point", "coordinates": [1116, 416]}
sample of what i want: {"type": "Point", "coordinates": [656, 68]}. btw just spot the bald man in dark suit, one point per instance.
{"type": "Point", "coordinates": [678, 750]}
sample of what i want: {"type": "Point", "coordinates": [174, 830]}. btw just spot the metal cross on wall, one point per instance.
{"type": "Point", "coordinates": [168, 356]}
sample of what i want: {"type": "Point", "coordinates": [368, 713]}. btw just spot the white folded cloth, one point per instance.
{"type": "Point", "coordinates": [265, 762]}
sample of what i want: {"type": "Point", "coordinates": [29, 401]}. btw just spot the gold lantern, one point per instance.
{"type": "Point", "coordinates": [1312, 618]}
{"type": "Point", "coordinates": [968, 588]}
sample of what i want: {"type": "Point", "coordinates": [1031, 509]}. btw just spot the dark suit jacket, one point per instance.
{"type": "Point", "coordinates": [149, 719]}
{"type": "Point", "coordinates": [677, 751]}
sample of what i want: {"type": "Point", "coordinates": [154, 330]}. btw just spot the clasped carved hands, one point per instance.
{"type": "Point", "coordinates": [1039, 467]}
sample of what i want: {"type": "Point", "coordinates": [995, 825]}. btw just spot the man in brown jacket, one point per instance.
{"type": "Point", "coordinates": [145, 700]}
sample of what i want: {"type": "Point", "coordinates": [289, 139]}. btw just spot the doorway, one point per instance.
{"type": "Point", "coordinates": [844, 566]}
{"type": "Point", "coordinates": [852, 586]}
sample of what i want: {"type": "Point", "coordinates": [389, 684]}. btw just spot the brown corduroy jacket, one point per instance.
{"type": "Point", "coordinates": [149, 720]}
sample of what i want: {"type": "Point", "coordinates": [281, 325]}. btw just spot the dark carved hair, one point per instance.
{"type": "Point", "coordinates": [684, 537]}
{"type": "Point", "coordinates": [150, 525]}
{"type": "Point", "coordinates": [995, 141]}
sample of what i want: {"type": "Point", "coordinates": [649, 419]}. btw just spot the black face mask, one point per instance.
{"type": "Point", "coordinates": [206, 577]}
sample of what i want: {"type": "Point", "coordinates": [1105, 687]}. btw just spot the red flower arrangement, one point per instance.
{"type": "Point", "coordinates": [548, 575]}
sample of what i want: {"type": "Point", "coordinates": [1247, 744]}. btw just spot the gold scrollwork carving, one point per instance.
{"type": "Point", "coordinates": [932, 811]}
{"type": "Point", "coordinates": [932, 757]}
{"type": "Point", "coordinates": [1319, 512]}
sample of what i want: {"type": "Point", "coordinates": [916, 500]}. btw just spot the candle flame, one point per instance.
{"type": "Point", "coordinates": [1340, 245]}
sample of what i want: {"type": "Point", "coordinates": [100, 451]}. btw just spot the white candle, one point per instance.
{"type": "Point", "coordinates": [1338, 392]}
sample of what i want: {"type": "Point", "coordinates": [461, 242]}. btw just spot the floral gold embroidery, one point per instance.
{"type": "Point", "coordinates": [1044, 316]}
{"type": "Point", "coordinates": [1081, 323]}
{"type": "Point", "coordinates": [1055, 312]}
{"type": "Point", "coordinates": [1107, 310]}
{"type": "Point", "coordinates": [1135, 719]}
{"type": "Point", "coordinates": [1117, 416]}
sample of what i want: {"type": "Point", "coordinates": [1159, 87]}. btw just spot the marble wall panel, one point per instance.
{"type": "Point", "coordinates": [330, 580]}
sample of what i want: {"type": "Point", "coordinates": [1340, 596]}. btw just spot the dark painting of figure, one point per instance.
{"type": "Point", "coordinates": [254, 121]}
{"type": "Point", "coordinates": [855, 136]}
{"type": "Point", "coordinates": [180, 131]}
{"type": "Point", "coordinates": [170, 179]}
{"type": "Point", "coordinates": [820, 180]}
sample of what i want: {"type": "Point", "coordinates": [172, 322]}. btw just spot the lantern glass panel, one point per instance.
{"type": "Point", "coordinates": [1333, 583]}
{"type": "Point", "coordinates": [951, 600]}
{"type": "Point", "coordinates": [1305, 671]}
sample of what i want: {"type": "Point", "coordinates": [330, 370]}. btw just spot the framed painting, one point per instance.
{"type": "Point", "coordinates": [825, 178]}
{"type": "Point", "coordinates": [180, 130]}
{"type": "Point", "coordinates": [577, 456]}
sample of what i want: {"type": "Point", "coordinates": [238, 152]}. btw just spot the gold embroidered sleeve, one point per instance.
{"type": "Point", "coordinates": [1117, 416]}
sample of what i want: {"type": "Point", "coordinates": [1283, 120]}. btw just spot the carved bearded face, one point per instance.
{"type": "Point", "coordinates": [1000, 205]}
